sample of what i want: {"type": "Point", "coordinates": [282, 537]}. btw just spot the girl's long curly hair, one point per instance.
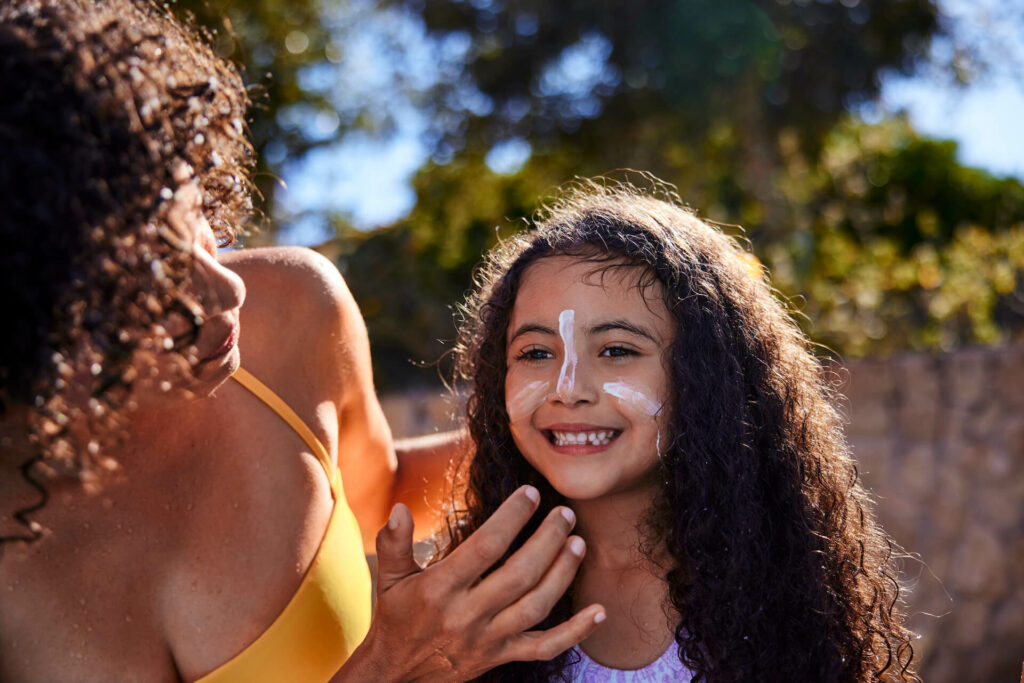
{"type": "Point", "coordinates": [779, 571]}
{"type": "Point", "coordinates": [103, 101]}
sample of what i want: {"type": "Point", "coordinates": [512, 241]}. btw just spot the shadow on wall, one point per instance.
{"type": "Point", "coordinates": [940, 442]}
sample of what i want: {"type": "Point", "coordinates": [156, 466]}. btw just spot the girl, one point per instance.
{"type": "Point", "coordinates": [628, 360]}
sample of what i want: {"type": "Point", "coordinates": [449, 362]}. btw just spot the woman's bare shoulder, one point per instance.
{"type": "Point", "coordinates": [296, 275]}
{"type": "Point", "coordinates": [291, 290]}
{"type": "Point", "coordinates": [299, 319]}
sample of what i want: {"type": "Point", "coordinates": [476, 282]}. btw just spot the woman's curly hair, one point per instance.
{"type": "Point", "coordinates": [779, 571]}
{"type": "Point", "coordinates": [104, 99]}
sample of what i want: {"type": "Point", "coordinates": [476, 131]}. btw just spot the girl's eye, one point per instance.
{"type": "Point", "coordinates": [617, 352]}
{"type": "Point", "coordinates": [534, 353]}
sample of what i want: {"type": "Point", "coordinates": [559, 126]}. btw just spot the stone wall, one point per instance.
{"type": "Point", "coordinates": [940, 443]}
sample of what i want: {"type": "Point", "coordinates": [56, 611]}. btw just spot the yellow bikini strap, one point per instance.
{"type": "Point", "coordinates": [284, 411]}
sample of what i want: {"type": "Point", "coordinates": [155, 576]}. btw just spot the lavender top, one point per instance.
{"type": "Point", "coordinates": [667, 667]}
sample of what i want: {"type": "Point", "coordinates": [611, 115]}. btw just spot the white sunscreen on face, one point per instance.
{"type": "Point", "coordinates": [567, 376]}
{"type": "Point", "coordinates": [632, 397]}
{"type": "Point", "coordinates": [525, 401]}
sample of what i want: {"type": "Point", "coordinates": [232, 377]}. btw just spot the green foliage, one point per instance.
{"type": "Point", "coordinates": [884, 243]}
{"type": "Point", "coordinates": [272, 41]}
{"type": "Point", "coordinates": [880, 237]}
{"type": "Point", "coordinates": [786, 62]}
{"type": "Point", "coordinates": [895, 245]}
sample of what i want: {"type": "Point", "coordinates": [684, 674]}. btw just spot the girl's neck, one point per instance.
{"type": "Point", "coordinates": [613, 528]}
{"type": "Point", "coordinates": [627, 580]}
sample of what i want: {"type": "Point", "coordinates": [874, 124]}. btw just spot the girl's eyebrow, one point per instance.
{"type": "Point", "coordinates": [526, 328]}
{"type": "Point", "coordinates": [625, 326]}
{"type": "Point", "coordinates": [608, 326]}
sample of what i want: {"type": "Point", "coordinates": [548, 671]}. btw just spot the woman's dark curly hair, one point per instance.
{"type": "Point", "coordinates": [779, 571]}
{"type": "Point", "coordinates": [103, 100]}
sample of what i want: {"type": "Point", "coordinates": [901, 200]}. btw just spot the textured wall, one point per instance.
{"type": "Point", "coordinates": [940, 442]}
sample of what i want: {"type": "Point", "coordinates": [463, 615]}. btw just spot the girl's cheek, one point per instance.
{"type": "Point", "coordinates": [636, 399]}
{"type": "Point", "coordinates": [523, 399]}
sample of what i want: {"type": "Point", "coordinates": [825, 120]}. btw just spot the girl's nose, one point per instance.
{"type": "Point", "coordinates": [574, 386]}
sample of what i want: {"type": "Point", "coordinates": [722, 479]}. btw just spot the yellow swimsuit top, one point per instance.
{"type": "Point", "coordinates": [329, 614]}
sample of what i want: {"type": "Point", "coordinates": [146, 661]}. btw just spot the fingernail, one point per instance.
{"type": "Point", "coordinates": [568, 515]}
{"type": "Point", "coordinates": [393, 519]}
{"type": "Point", "coordinates": [599, 617]}
{"type": "Point", "coordinates": [577, 546]}
{"type": "Point", "coordinates": [532, 493]}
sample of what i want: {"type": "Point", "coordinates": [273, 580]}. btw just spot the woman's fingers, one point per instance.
{"type": "Point", "coordinates": [521, 572]}
{"type": "Point", "coordinates": [395, 560]}
{"type": "Point", "coordinates": [544, 645]}
{"type": "Point", "coordinates": [486, 545]}
{"type": "Point", "coordinates": [443, 622]}
{"type": "Point", "coordinates": [531, 608]}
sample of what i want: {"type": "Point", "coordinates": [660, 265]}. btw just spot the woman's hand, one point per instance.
{"type": "Point", "coordinates": [445, 623]}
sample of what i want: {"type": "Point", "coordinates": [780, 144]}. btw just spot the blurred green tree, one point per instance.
{"type": "Point", "coordinates": [272, 41]}
{"type": "Point", "coordinates": [878, 235]}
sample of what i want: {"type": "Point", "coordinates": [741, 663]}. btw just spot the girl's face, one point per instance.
{"type": "Point", "coordinates": [586, 387]}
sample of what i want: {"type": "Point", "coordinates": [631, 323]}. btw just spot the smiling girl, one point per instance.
{"type": "Point", "coordinates": [626, 358]}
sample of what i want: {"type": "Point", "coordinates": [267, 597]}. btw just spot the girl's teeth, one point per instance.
{"type": "Point", "coordinates": [596, 438]}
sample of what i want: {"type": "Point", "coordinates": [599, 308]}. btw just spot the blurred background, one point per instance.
{"type": "Point", "coordinates": [871, 150]}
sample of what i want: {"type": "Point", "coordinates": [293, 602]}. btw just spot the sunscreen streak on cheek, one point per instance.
{"type": "Point", "coordinates": [633, 397]}
{"type": "Point", "coordinates": [526, 400]}
{"type": "Point", "coordinates": [567, 376]}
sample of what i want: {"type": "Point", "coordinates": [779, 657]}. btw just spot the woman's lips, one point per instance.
{"type": "Point", "coordinates": [225, 347]}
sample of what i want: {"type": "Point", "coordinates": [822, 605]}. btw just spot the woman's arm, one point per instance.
{"type": "Point", "coordinates": [423, 464]}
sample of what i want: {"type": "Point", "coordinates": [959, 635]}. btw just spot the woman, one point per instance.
{"type": "Point", "coordinates": [164, 513]}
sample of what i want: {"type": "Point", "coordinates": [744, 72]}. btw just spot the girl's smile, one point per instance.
{"type": "Point", "coordinates": [586, 381]}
